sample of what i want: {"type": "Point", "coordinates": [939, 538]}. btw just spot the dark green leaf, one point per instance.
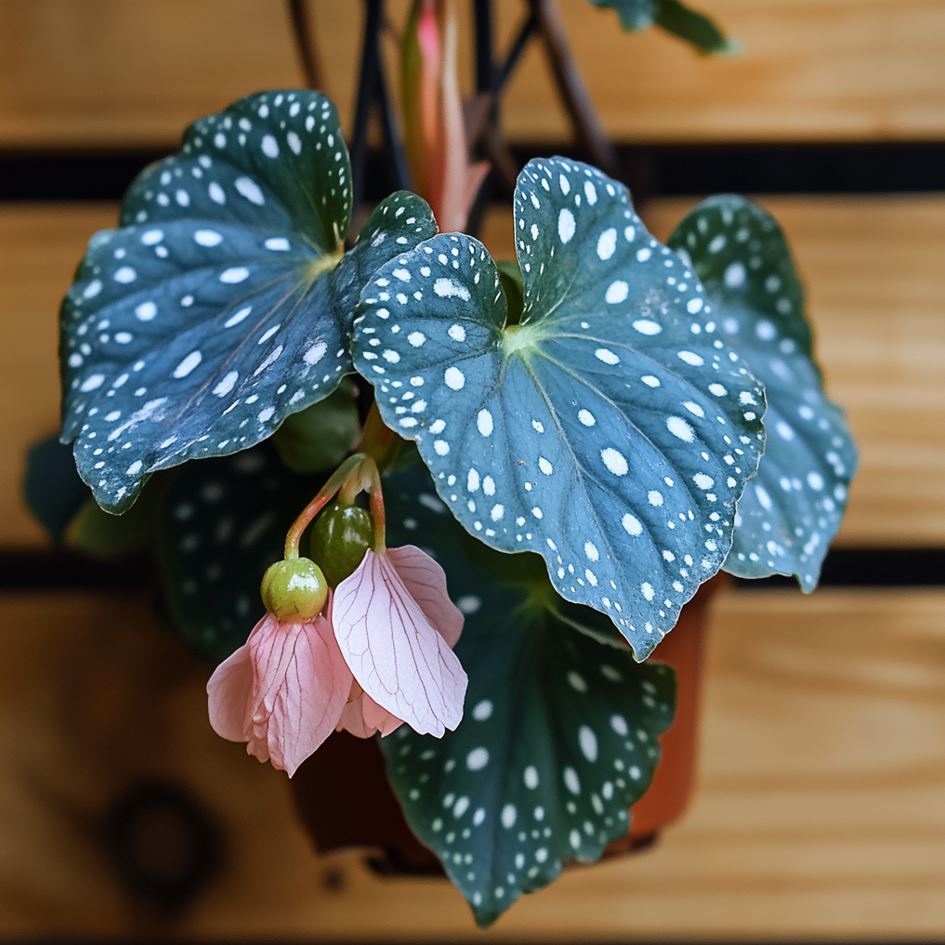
{"type": "Point", "coordinates": [223, 303]}
{"type": "Point", "coordinates": [223, 523]}
{"type": "Point", "coordinates": [792, 509]}
{"type": "Point", "coordinates": [695, 28]}
{"type": "Point", "coordinates": [560, 734]}
{"type": "Point", "coordinates": [674, 17]}
{"type": "Point", "coordinates": [612, 431]}
{"type": "Point", "coordinates": [100, 534]}
{"type": "Point", "coordinates": [52, 488]}
{"type": "Point", "coordinates": [318, 438]}
{"type": "Point", "coordinates": [510, 277]}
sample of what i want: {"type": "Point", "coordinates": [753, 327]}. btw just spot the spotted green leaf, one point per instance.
{"type": "Point", "coordinates": [676, 18]}
{"type": "Point", "coordinates": [792, 509]}
{"type": "Point", "coordinates": [611, 431]}
{"type": "Point", "coordinates": [223, 523]}
{"type": "Point", "coordinates": [223, 303]}
{"type": "Point", "coordinates": [560, 734]}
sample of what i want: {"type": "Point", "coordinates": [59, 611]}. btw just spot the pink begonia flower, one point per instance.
{"type": "Point", "coordinates": [419, 577]}
{"type": "Point", "coordinates": [380, 654]}
{"type": "Point", "coordinates": [282, 692]}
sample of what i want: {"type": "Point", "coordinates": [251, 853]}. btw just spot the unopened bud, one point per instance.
{"type": "Point", "coordinates": [295, 590]}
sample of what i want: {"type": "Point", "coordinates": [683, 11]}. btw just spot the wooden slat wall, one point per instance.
{"type": "Point", "coordinates": [114, 73]}
{"type": "Point", "coordinates": [819, 814]}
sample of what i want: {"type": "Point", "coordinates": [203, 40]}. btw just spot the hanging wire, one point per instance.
{"type": "Point", "coordinates": [304, 44]}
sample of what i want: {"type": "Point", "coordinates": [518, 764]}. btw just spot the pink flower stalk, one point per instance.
{"type": "Point", "coordinates": [379, 655]}
{"type": "Point", "coordinates": [435, 129]}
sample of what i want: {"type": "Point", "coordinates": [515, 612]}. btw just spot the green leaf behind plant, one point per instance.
{"type": "Point", "coordinates": [676, 18]}
{"type": "Point", "coordinates": [318, 438]}
{"type": "Point", "coordinates": [791, 510]}
{"type": "Point", "coordinates": [223, 522]}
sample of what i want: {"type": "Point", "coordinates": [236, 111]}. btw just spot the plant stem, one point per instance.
{"type": "Point", "coordinates": [371, 480]}
{"type": "Point", "coordinates": [376, 437]}
{"type": "Point", "coordinates": [325, 495]}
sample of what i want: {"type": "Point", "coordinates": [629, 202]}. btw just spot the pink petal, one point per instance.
{"type": "Point", "coordinates": [395, 654]}
{"type": "Point", "coordinates": [283, 692]}
{"type": "Point", "coordinates": [228, 694]}
{"type": "Point", "coordinates": [426, 582]}
{"type": "Point", "coordinates": [364, 718]}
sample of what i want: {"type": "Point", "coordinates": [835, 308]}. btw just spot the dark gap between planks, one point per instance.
{"type": "Point", "coordinates": [844, 567]}
{"type": "Point", "coordinates": [651, 170]}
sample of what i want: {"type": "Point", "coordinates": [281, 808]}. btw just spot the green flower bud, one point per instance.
{"type": "Point", "coordinates": [340, 537]}
{"type": "Point", "coordinates": [295, 590]}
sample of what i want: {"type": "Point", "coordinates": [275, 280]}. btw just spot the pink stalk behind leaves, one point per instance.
{"type": "Point", "coordinates": [433, 114]}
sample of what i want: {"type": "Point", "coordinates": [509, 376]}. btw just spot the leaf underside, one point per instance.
{"type": "Point", "coordinates": [222, 305]}
{"type": "Point", "coordinates": [792, 509]}
{"type": "Point", "coordinates": [612, 431]}
{"type": "Point", "coordinates": [560, 734]}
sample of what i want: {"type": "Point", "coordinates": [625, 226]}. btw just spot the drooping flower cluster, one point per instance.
{"type": "Point", "coordinates": [377, 653]}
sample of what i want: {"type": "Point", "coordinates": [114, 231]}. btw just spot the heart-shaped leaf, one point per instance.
{"type": "Point", "coordinates": [223, 304]}
{"type": "Point", "coordinates": [792, 509]}
{"type": "Point", "coordinates": [611, 431]}
{"type": "Point", "coordinates": [560, 734]}
{"type": "Point", "coordinates": [223, 523]}
{"type": "Point", "coordinates": [674, 17]}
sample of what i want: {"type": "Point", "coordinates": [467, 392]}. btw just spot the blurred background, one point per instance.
{"type": "Point", "coordinates": [820, 813]}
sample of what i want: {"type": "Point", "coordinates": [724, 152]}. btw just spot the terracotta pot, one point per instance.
{"type": "Point", "coordinates": [344, 800]}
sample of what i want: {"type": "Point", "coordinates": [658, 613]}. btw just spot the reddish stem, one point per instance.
{"type": "Point", "coordinates": [376, 437]}
{"type": "Point", "coordinates": [325, 495]}
{"type": "Point", "coordinates": [369, 479]}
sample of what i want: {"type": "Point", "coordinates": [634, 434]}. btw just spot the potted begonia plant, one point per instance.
{"type": "Point", "coordinates": [477, 494]}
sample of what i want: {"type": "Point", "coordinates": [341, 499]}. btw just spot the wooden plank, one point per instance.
{"type": "Point", "coordinates": [108, 73]}
{"type": "Point", "coordinates": [873, 265]}
{"type": "Point", "coordinates": [819, 814]}
{"type": "Point", "coordinates": [873, 270]}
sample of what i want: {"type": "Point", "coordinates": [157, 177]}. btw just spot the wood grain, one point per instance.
{"type": "Point", "coordinates": [819, 815]}
{"type": "Point", "coordinates": [109, 73]}
{"type": "Point", "coordinates": [873, 266]}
